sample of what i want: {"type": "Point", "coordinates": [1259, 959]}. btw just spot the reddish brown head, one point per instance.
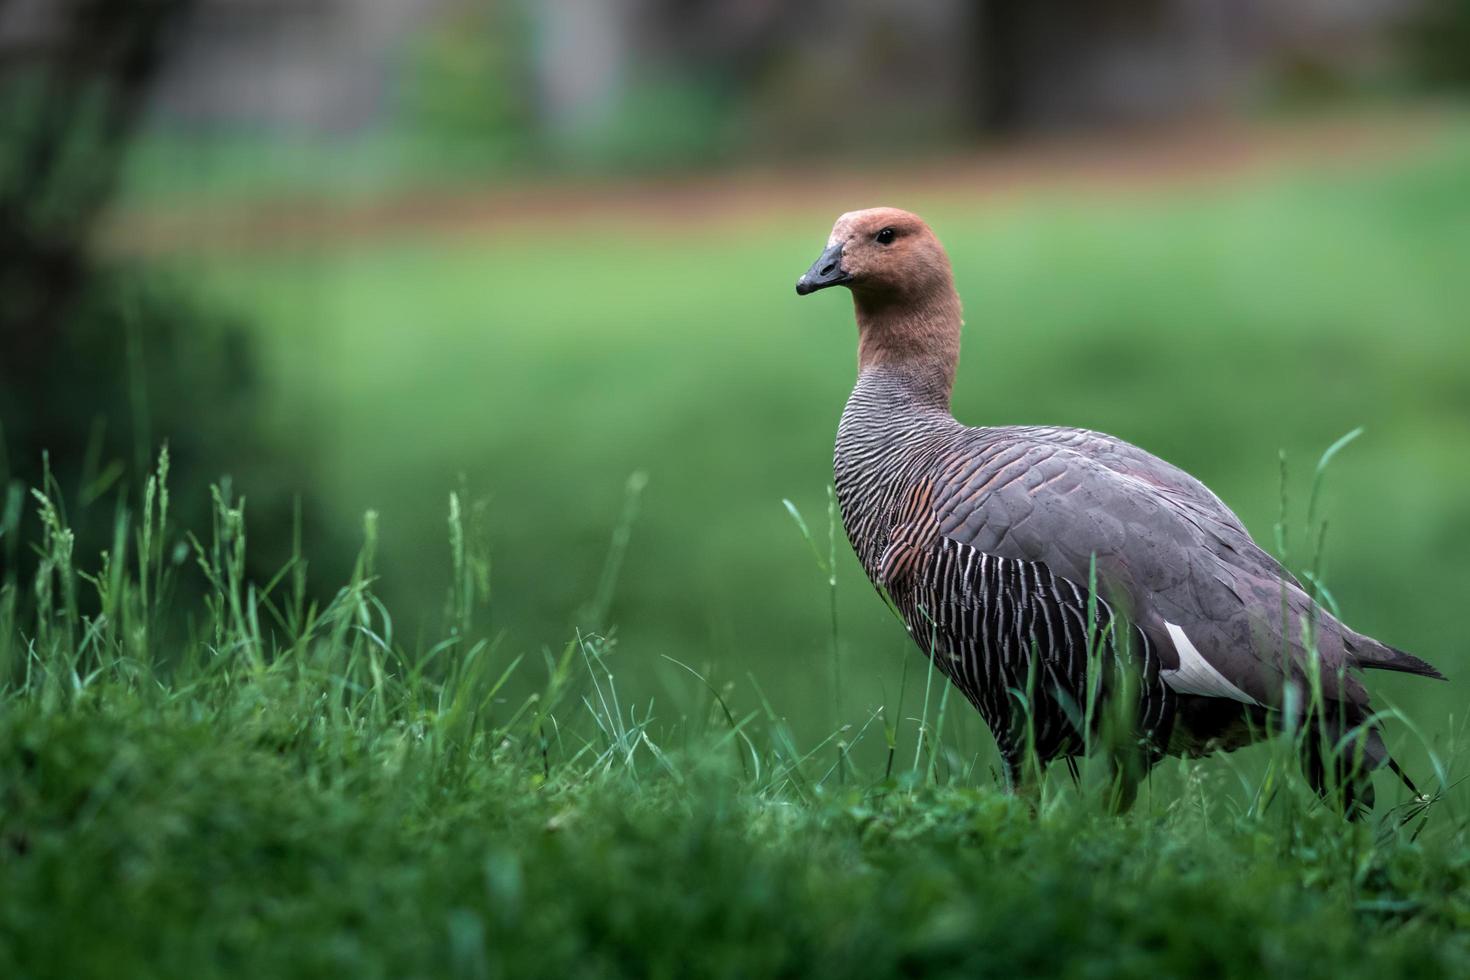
{"type": "Point", "coordinates": [881, 254]}
{"type": "Point", "coordinates": [907, 311]}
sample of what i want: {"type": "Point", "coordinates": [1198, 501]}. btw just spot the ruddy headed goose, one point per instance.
{"type": "Point", "coordinates": [987, 540]}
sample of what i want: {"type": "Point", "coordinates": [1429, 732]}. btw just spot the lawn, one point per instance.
{"type": "Point", "coordinates": [592, 726]}
{"type": "Point", "coordinates": [281, 790]}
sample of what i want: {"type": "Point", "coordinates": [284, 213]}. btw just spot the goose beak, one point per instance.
{"type": "Point", "coordinates": [826, 271]}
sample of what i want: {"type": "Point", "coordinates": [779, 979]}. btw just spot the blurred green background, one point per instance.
{"type": "Point", "coordinates": [357, 256]}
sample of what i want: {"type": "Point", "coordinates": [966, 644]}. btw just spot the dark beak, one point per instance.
{"type": "Point", "coordinates": [826, 271]}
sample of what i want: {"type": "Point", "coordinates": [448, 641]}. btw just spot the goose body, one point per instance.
{"type": "Point", "coordinates": [1015, 553]}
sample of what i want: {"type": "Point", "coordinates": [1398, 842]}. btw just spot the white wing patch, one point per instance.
{"type": "Point", "coordinates": [1195, 675]}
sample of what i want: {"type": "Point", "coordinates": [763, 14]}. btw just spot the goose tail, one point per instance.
{"type": "Point", "coordinates": [1369, 654]}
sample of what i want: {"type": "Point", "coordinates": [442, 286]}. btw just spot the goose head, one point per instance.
{"type": "Point", "coordinates": [881, 255]}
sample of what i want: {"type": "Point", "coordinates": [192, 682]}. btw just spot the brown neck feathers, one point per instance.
{"type": "Point", "coordinates": [917, 338]}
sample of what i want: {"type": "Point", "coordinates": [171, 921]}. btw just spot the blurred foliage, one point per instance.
{"type": "Point", "coordinates": [128, 361]}
{"type": "Point", "coordinates": [1439, 43]}
{"type": "Point", "coordinates": [99, 364]}
{"type": "Point", "coordinates": [133, 365]}
{"type": "Point", "coordinates": [1303, 81]}
{"type": "Point", "coordinates": [465, 89]}
{"type": "Point", "coordinates": [505, 88]}
{"type": "Point", "coordinates": [665, 122]}
{"type": "Point", "coordinates": [467, 97]}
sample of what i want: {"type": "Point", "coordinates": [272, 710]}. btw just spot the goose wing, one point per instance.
{"type": "Point", "coordinates": [1192, 500]}
{"type": "Point", "coordinates": [1225, 622]}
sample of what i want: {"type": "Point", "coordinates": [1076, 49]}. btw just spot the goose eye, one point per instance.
{"type": "Point", "coordinates": [885, 236]}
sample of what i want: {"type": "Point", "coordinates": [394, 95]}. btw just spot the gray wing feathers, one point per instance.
{"type": "Point", "coordinates": [1166, 550]}
{"type": "Point", "coordinates": [1192, 500]}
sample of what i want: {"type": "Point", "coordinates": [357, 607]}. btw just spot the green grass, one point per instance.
{"type": "Point", "coordinates": [170, 170]}
{"type": "Point", "coordinates": [257, 785]}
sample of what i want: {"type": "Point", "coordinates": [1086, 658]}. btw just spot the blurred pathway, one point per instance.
{"type": "Point", "coordinates": [1184, 155]}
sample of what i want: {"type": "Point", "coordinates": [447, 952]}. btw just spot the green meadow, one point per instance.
{"type": "Point", "coordinates": [581, 698]}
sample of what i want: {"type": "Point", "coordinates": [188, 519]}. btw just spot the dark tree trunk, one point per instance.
{"type": "Point", "coordinates": [72, 91]}
{"type": "Point", "coordinates": [73, 98]}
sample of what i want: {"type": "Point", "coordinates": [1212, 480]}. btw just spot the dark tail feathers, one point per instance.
{"type": "Point", "coordinates": [1369, 654]}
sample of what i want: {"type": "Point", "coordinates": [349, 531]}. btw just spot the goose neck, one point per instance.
{"type": "Point", "coordinates": [913, 344]}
